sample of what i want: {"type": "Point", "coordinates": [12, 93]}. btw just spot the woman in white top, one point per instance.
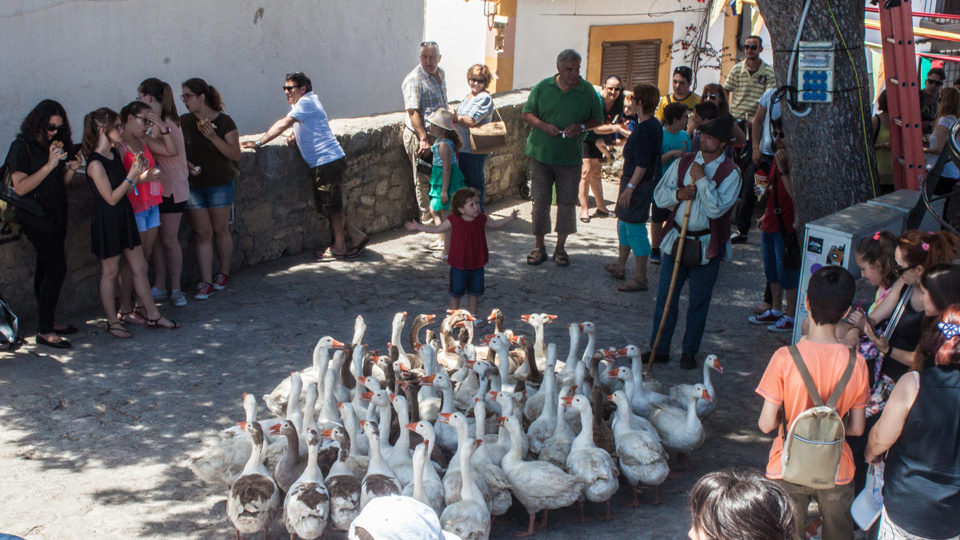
{"type": "Point", "coordinates": [947, 113]}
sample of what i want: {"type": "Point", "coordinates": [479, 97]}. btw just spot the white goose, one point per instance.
{"type": "Point", "coordinates": [399, 460]}
{"type": "Point", "coordinates": [380, 479]}
{"type": "Point", "coordinates": [452, 478]}
{"type": "Point", "coordinates": [342, 484]}
{"type": "Point", "coordinates": [641, 399]}
{"type": "Point", "coordinates": [432, 483]}
{"type": "Point", "coordinates": [557, 448]}
{"type": "Point", "coordinates": [566, 374]}
{"type": "Point", "coordinates": [543, 426]}
{"type": "Point", "coordinates": [538, 485]}
{"type": "Point", "coordinates": [590, 464]}
{"type": "Point", "coordinates": [446, 435]}
{"type": "Point", "coordinates": [537, 321]}
{"type": "Point", "coordinates": [704, 407]}
{"type": "Point", "coordinates": [640, 455]}
{"type": "Point", "coordinates": [254, 498]}
{"type": "Point", "coordinates": [469, 517]}
{"type": "Point", "coordinates": [358, 440]}
{"type": "Point", "coordinates": [306, 510]}
{"type": "Point", "coordinates": [277, 399]}
{"type": "Point", "coordinates": [681, 431]}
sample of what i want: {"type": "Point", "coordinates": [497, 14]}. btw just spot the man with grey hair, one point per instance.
{"type": "Point", "coordinates": [560, 109]}
{"type": "Point", "coordinates": [424, 91]}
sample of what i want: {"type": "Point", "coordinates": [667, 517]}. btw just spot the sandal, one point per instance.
{"type": "Point", "coordinates": [561, 258]}
{"type": "Point", "coordinates": [132, 317]}
{"type": "Point", "coordinates": [155, 323]}
{"type": "Point", "coordinates": [536, 257]}
{"type": "Point", "coordinates": [601, 213]}
{"type": "Point", "coordinates": [614, 270]}
{"type": "Point", "coordinates": [632, 286]}
{"type": "Point", "coordinates": [117, 330]}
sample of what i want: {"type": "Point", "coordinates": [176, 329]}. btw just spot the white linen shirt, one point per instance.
{"type": "Point", "coordinates": [316, 141]}
{"type": "Point", "coordinates": [712, 201]}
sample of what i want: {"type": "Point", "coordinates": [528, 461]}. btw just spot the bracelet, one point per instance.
{"type": "Point", "coordinates": [259, 144]}
{"type": "Point", "coordinates": [127, 180]}
{"type": "Point", "coordinates": [583, 127]}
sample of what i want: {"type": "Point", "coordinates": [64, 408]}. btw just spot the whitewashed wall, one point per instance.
{"type": "Point", "coordinates": [90, 54]}
{"type": "Point", "coordinates": [545, 27]}
{"type": "Point", "coordinates": [460, 29]}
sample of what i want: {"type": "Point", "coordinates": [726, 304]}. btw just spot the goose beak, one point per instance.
{"type": "Point", "coordinates": [622, 351]}
{"type": "Point", "coordinates": [492, 316]}
{"type": "Point", "coordinates": [458, 324]}
{"type": "Point", "coordinates": [706, 395]}
{"type": "Point", "coordinates": [366, 396]}
{"type": "Point", "coordinates": [502, 420]}
{"type": "Point", "coordinates": [551, 318]}
{"type": "Point", "coordinates": [404, 313]}
{"type": "Point", "coordinates": [471, 317]}
{"type": "Point", "coordinates": [275, 429]}
{"type": "Point", "coordinates": [339, 405]}
{"type": "Point", "coordinates": [392, 396]}
{"type": "Point", "coordinates": [478, 442]}
{"type": "Point", "coordinates": [614, 372]}
{"type": "Point", "coordinates": [243, 425]}
{"type": "Point", "coordinates": [244, 395]}
{"type": "Point", "coordinates": [567, 401]}
{"type": "Point", "coordinates": [428, 380]}
{"type": "Point", "coordinates": [362, 380]}
{"type": "Point", "coordinates": [337, 344]}
{"type": "Point", "coordinates": [580, 326]}
{"type": "Point", "coordinates": [718, 366]}
{"type": "Point", "coordinates": [526, 318]}
{"type": "Point", "coordinates": [363, 424]}
{"type": "Point", "coordinates": [417, 346]}
{"type": "Point", "coordinates": [327, 434]}
{"type": "Point", "coordinates": [610, 397]}
{"type": "Point", "coordinates": [444, 417]}
{"type": "Point", "coordinates": [493, 394]}
{"type": "Point", "coordinates": [403, 367]}
{"type": "Point", "coordinates": [411, 427]}
{"type": "Point", "coordinates": [452, 350]}
{"type": "Point", "coordinates": [451, 311]}
{"type": "Point", "coordinates": [513, 339]}
{"type": "Point", "coordinates": [431, 317]}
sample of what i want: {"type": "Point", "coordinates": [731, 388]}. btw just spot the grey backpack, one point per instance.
{"type": "Point", "coordinates": [814, 443]}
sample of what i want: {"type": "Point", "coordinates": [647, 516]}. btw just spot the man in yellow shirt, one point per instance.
{"type": "Point", "coordinates": [682, 78]}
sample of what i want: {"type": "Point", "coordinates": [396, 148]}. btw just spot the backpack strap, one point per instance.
{"type": "Point", "coordinates": [807, 379]}
{"type": "Point", "coordinates": [842, 384]}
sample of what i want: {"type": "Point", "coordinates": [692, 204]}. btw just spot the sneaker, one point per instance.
{"type": "Point", "coordinates": [204, 290]}
{"type": "Point", "coordinates": [784, 325]}
{"type": "Point", "coordinates": [220, 282]}
{"type": "Point", "coordinates": [688, 361]}
{"type": "Point", "coordinates": [738, 238]}
{"type": "Point", "coordinates": [655, 256]}
{"type": "Point", "coordinates": [767, 317]}
{"type": "Point", "coordinates": [158, 294]}
{"type": "Point", "coordinates": [178, 298]}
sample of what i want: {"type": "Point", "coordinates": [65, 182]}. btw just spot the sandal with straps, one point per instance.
{"type": "Point", "coordinates": [155, 323]}
{"type": "Point", "coordinates": [117, 330]}
{"type": "Point", "coordinates": [132, 317]}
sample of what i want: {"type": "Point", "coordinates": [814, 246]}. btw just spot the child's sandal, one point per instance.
{"type": "Point", "coordinates": [155, 323]}
{"type": "Point", "coordinates": [132, 317]}
{"type": "Point", "coordinates": [117, 330]}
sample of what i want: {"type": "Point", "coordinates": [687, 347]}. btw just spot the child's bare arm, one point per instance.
{"type": "Point", "coordinates": [445, 159]}
{"type": "Point", "coordinates": [413, 226]}
{"type": "Point", "coordinates": [503, 222]}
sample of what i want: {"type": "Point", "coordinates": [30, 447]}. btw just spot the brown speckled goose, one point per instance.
{"type": "Point", "coordinates": [306, 510]}
{"type": "Point", "coordinates": [342, 485]}
{"type": "Point", "coordinates": [254, 498]}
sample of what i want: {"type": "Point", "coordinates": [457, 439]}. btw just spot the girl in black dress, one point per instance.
{"type": "Point", "coordinates": [113, 228]}
{"type": "Point", "coordinates": [39, 169]}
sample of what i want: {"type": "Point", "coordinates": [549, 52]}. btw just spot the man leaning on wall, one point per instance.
{"type": "Point", "coordinates": [424, 91]}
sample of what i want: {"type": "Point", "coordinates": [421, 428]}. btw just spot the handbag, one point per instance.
{"type": "Point", "coordinates": [489, 137]}
{"type": "Point", "coordinates": [792, 256]}
{"type": "Point", "coordinates": [691, 251]}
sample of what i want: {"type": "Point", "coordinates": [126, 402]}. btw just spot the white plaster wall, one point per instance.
{"type": "Point", "coordinates": [89, 54]}
{"type": "Point", "coordinates": [460, 29]}
{"type": "Point", "coordinates": [545, 27]}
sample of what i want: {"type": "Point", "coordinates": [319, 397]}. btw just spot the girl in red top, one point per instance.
{"type": "Point", "coordinates": [468, 245]}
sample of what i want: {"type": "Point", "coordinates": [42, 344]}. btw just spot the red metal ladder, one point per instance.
{"type": "Point", "coordinates": [903, 93]}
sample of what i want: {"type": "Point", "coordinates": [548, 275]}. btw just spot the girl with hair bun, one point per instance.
{"type": "Point", "coordinates": [167, 254]}
{"type": "Point", "coordinates": [212, 144]}
{"type": "Point", "coordinates": [919, 431]}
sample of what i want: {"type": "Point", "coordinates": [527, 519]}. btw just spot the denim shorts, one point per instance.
{"type": "Point", "coordinates": [211, 197]}
{"type": "Point", "coordinates": [466, 281]}
{"type": "Point", "coordinates": [148, 219]}
{"type": "Point", "coordinates": [771, 249]}
{"type": "Point", "coordinates": [634, 235]}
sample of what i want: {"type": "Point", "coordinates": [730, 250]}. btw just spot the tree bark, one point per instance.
{"type": "Point", "coordinates": [832, 163]}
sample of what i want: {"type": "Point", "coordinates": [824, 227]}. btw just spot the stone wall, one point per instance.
{"type": "Point", "coordinates": [274, 210]}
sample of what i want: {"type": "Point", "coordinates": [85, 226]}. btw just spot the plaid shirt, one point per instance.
{"type": "Point", "coordinates": [747, 89]}
{"type": "Point", "coordinates": [424, 93]}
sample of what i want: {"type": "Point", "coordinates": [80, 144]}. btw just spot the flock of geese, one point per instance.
{"type": "Point", "coordinates": [462, 425]}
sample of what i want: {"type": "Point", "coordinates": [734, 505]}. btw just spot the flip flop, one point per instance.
{"type": "Point", "coordinates": [632, 286]}
{"type": "Point", "coordinates": [614, 270]}
{"type": "Point", "coordinates": [155, 323]}
{"type": "Point", "coordinates": [131, 317]}
{"type": "Point", "coordinates": [363, 243]}
{"type": "Point", "coordinates": [355, 252]}
{"type": "Point", "coordinates": [599, 214]}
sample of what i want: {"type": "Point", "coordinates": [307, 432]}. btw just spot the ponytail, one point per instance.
{"type": "Point", "coordinates": [163, 94]}
{"type": "Point", "coordinates": [211, 96]}
{"type": "Point", "coordinates": [103, 117]}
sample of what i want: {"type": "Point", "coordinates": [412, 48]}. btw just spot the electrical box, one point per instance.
{"type": "Point", "coordinates": [815, 71]}
{"type": "Point", "coordinates": [832, 240]}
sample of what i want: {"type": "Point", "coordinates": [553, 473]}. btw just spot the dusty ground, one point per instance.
{"type": "Point", "coordinates": [91, 441]}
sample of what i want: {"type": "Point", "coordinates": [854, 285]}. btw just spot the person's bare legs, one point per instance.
{"type": "Point", "coordinates": [584, 188]}
{"type": "Point", "coordinates": [203, 241]}
{"type": "Point", "coordinates": [640, 273]}
{"type": "Point", "coordinates": [561, 242]}
{"type": "Point", "coordinates": [776, 294]}
{"type": "Point", "coordinates": [147, 240]}
{"type": "Point", "coordinates": [138, 266]}
{"type": "Point", "coordinates": [623, 253]}
{"type": "Point", "coordinates": [167, 254]}
{"type": "Point", "coordinates": [337, 220]}
{"type": "Point", "coordinates": [472, 303]}
{"type": "Point", "coordinates": [220, 222]}
{"type": "Point", "coordinates": [109, 271]}
{"type": "Point", "coordinates": [790, 299]}
{"type": "Point", "coordinates": [595, 180]}
{"type": "Point", "coordinates": [454, 302]}
{"type": "Point", "coordinates": [656, 229]}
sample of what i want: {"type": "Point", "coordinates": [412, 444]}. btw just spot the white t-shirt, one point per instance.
{"type": "Point", "coordinates": [766, 135]}
{"type": "Point", "coordinates": [315, 139]}
{"type": "Point", "coordinates": [950, 170]}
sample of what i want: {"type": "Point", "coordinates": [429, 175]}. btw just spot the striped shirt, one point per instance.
{"type": "Point", "coordinates": [424, 92]}
{"type": "Point", "coordinates": [748, 88]}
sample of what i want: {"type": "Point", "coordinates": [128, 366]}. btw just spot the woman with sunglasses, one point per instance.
{"type": "Point", "coordinates": [595, 147]}
{"type": "Point", "coordinates": [213, 149]}
{"type": "Point", "coordinates": [39, 170]}
{"type": "Point", "coordinates": [947, 113]}
{"type": "Point", "coordinates": [113, 228]}
{"type": "Point", "coordinates": [167, 254]}
{"type": "Point", "coordinates": [714, 93]}
{"type": "Point", "coordinates": [141, 136]}
{"type": "Point", "coordinates": [475, 110]}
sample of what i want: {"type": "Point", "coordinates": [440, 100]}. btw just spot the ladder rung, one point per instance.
{"type": "Point", "coordinates": [894, 81]}
{"type": "Point", "coordinates": [901, 161]}
{"type": "Point", "coordinates": [898, 122]}
{"type": "Point", "coordinates": [891, 40]}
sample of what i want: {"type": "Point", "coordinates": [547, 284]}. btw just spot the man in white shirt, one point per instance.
{"type": "Point", "coordinates": [323, 154]}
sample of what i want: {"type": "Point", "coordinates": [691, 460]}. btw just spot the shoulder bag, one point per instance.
{"type": "Point", "coordinates": [490, 137]}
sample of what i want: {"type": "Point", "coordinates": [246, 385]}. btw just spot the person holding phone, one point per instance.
{"type": "Point", "coordinates": [40, 168]}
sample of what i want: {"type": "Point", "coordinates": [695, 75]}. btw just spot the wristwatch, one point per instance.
{"type": "Point", "coordinates": [259, 144]}
{"type": "Point", "coordinates": [631, 186]}
{"type": "Point", "coordinates": [583, 127]}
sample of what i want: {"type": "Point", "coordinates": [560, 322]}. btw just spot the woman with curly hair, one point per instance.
{"type": "Point", "coordinates": [39, 169]}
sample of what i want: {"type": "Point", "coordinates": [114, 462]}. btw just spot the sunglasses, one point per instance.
{"type": "Point", "coordinates": [751, 47]}
{"type": "Point", "coordinates": [290, 88]}
{"type": "Point", "coordinates": [428, 43]}
{"type": "Point", "coordinates": [186, 97]}
{"type": "Point", "coordinates": [481, 81]}
{"type": "Point", "coordinates": [934, 82]}
{"type": "Point", "coordinates": [711, 96]}
{"type": "Point", "coordinates": [907, 269]}
{"type": "Point", "coordinates": [53, 128]}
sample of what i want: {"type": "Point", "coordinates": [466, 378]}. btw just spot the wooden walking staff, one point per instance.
{"type": "Point", "coordinates": [673, 283]}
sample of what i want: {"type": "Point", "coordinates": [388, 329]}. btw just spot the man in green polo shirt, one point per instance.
{"type": "Point", "coordinates": [560, 109]}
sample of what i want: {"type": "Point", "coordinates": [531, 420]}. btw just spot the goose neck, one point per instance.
{"type": "Point", "coordinates": [585, 438]}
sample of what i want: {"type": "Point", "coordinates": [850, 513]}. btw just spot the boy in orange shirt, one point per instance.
{"type": "Point", "coordinates": [829, 296]}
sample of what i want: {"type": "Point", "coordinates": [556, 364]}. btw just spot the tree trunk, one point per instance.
{"type": "Point", "coordinates": [832, 163]}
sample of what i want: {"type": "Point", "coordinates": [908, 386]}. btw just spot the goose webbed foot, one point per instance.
{"type": "Point", "coordinates": [529, 531]}
{"type": "Point", "coordinates": [583, 518]}
{"type": "Point", "coordinates": [608, 516]}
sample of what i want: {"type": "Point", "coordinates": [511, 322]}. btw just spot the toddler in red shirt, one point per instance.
{"type": "Point", "coordinates": [468, 245]}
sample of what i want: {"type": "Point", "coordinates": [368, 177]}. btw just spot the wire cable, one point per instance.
{"type": "Point", "coordinates": [792, 102]}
